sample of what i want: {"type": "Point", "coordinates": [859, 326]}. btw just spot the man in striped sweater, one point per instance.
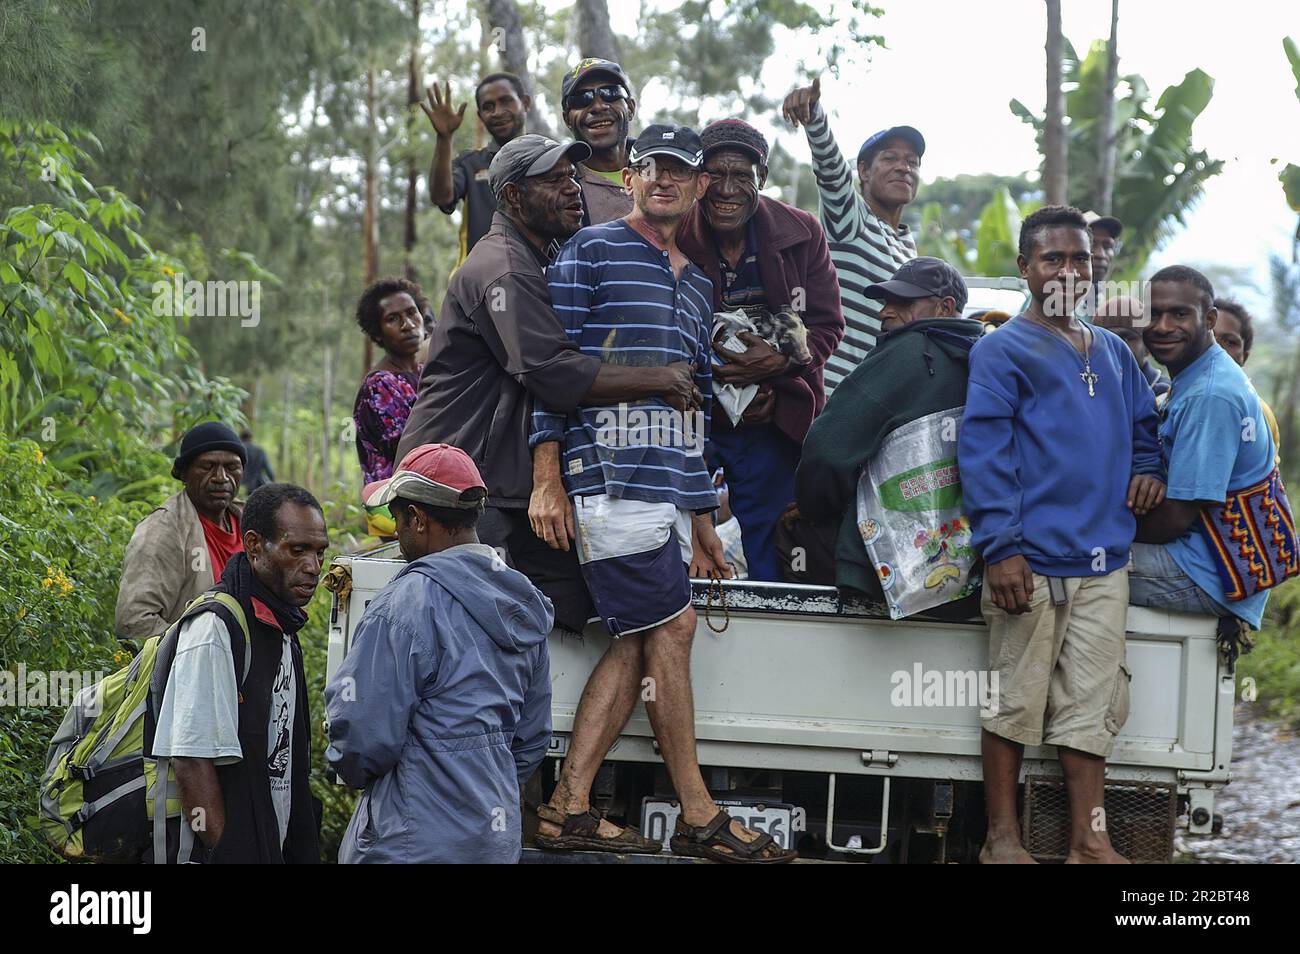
{"type": "Point", "coordinates": [865, 229]}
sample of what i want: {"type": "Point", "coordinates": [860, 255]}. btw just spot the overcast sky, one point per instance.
{"type": "Point", "coordinates": [952, 67]}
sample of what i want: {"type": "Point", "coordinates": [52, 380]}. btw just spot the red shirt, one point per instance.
{"type": "Point", "coordinates": [222, 544]}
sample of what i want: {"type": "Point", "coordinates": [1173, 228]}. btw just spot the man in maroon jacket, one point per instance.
{"type": "Point", "coordinates": [762, 254]}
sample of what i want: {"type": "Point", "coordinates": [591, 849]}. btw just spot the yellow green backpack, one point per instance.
{"type": "Point", "coordinates": [101, 797]}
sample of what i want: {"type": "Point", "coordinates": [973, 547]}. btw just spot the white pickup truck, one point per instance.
{"type": "Point", "coordinates": [817, 721]}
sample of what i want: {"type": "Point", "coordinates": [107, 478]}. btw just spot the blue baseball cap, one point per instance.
{"type": "Point", "coordinates": [878, 139]}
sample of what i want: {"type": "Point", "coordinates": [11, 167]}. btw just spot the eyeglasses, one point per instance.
{"type": "Point", "coordinates": [650, 170]}
{"type": "Point", "coordinates": [584, 98]}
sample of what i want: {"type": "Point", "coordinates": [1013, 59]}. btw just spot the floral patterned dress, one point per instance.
{"type": "Point", "coordinates": [383, 405]}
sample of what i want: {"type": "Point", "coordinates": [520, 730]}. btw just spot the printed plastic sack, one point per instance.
{"type": "Point", "coordinates": [910, 516]}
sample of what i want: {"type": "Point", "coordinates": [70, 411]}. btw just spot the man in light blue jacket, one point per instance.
{"type": "Point", "coordinates": [442, 708]}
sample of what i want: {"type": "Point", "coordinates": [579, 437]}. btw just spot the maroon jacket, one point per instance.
{"type": "Point", "coordinates": [792, 253]}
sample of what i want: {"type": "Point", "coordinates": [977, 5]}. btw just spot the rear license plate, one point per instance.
{"type": "Point", "coordinates": [659, 817]}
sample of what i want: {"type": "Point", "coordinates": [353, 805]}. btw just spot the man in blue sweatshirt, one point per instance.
{"type": "Point", "coordinates": [442, 709]}
{"type": "Point", "coordinates": [1058, 454]}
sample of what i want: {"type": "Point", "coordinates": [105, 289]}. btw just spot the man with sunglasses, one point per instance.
{"type": "Point", "coordinates": [502, 104]}
{"type": "Point", "coordinates": [762, 254]}
{"type": "Point", "coordinates": [628, 295]}
{"type": "Point", "coordinates": [598, 108]}
{"type": "Point", "coordinates": [868, 239]}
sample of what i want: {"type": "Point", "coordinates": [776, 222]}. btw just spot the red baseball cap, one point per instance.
{"type": "Point", "coordinates": [436, 474]}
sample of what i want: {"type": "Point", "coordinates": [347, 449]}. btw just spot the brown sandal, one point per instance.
{"type": "Point", "coordinates": [579, 832]}
{"type": "Point", "coordinates": [716, 842]}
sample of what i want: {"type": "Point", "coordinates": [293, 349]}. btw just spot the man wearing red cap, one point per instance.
{"type": "Point", "coordinates": [442, 709]}
{"type": "Point", "coordinates": [762, 255]}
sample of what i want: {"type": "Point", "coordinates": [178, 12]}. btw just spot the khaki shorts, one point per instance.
{"type": "Point", "coordinates": [1062, 674]}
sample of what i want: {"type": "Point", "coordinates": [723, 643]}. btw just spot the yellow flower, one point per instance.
{"type": "Point", "coordinates": [22, 611]}
{"type": "Point", "coordinates": [121, 657]}
{"type": "Point", "coordinates": [40, 456]}
{"type": "Point", "coordinates": [47, 583]}
{"type": "Point", "coordinates": [169, 272]}
{"type": "Point", "coordinates": [121, 314]}
{"type": "Point", "coordinates": [91, 498]}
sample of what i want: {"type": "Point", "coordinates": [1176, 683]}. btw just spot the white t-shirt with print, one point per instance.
{"type": "Point", "coordinates": [199, 716]}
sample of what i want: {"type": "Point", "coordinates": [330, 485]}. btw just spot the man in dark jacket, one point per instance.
{"type": "Point", "coordinates": [442, 708]}
{"type": "Point", "coordinates": [498, 344]}
{"type": "Point", "coordinates": [241, 750]}
{"type": "Point", "coordinates": [762, 254]}
{"type": "Point", "coordinates": [918, 368]}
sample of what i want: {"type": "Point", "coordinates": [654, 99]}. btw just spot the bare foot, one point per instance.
{"type": "Point", "coordinates": [1095, 856]}
{"type": "Point", "coordinates": [1005, 850]}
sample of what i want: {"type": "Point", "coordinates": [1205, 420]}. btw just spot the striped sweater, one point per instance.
{"type": "Point", "coordinates": [617, 298]}
{"type": "Point", "coordinates": [864, 249]}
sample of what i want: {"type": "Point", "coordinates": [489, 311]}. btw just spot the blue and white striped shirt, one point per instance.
{"type": "Point", "coordinates": [617, 298]}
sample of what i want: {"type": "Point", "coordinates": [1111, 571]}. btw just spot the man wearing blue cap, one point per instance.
{"type": "Point", "coordinates": [865, 229]}
{"type": "Point", "coordinates": [628, 295]}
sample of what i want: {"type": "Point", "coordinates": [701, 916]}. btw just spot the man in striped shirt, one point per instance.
{"type": "Point", "coordinates": [865, 228]}
{"type": "Point", "coordinates": [626, 294]}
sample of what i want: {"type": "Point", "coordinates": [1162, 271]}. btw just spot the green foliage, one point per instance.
{"type": "Point", "coordinates": [88, 365]}
{"type": "Point", "coordinates": [1159, 174]}
{"type": "Point", "coordinates": [990, 248]}
{"type": "Point", "coordinates": [1275, 662]}
{"type": "Point", "coordinates": [60, 556]}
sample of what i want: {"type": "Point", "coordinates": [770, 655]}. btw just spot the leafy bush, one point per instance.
{"type": "Point", "coordinates": [1274, 664]}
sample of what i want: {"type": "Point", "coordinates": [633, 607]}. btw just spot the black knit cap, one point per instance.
{"type": "Point", "coordinates": [734, 134]}
{"type": "Point", "coordinates": [201, 438]}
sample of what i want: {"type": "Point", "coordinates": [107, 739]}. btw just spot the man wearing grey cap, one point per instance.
{"type": "Point", "coordinates": [918, 368]}
{"type": "Point", "coordinates": [498, 344]}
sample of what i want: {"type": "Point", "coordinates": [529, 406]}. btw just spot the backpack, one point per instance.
{"type": "Point", "coordinates": [104, 797]}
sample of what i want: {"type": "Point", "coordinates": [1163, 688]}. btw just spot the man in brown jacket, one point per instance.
{"type": "Point", "coordinates": [498, 344]}
{"type": "Point", "coordinates": [762, 256]}
{"type": "Point", "coordinates": [179, 550]}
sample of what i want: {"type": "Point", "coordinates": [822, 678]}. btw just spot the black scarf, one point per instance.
{"type": "Point", "coordinates": [241, 582]}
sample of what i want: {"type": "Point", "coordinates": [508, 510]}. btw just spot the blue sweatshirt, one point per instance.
{"type": "Point", "coordinates": [441, 710]}
{"type": "Point", "coordinates": [1045, 468]}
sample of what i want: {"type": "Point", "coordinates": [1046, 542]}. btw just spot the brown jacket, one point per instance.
{"type": "Point", "coordinates": [496, 346]}
{"type": "Point", "coordinates": [602, 200]}
{"type": "Point", "coordinates": [166, 565]}
{"type": "Point", "coordinates": [795, 263]}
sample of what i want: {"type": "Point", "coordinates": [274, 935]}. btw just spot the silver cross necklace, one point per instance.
{"type": "Point", "coordinates": [1087, 375]}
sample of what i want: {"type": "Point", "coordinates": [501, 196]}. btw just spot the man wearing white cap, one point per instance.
{"type": "Point", "coordinates": [442, 708]}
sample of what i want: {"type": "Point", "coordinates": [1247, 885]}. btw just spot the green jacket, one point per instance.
{"type": "Point", "coordinates": [917, 370]}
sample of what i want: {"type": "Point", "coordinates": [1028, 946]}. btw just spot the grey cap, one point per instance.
{"type": "Point", "coordinates": [923, 277]}
{"type": "Point", "coordinates": [531, 155]}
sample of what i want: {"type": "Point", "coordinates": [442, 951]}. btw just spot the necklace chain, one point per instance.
{"type": "Point", "coordinates": [1087, 375]}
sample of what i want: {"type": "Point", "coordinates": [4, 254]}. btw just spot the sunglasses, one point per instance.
{"type": "Point", "coordinates": [584, 98]}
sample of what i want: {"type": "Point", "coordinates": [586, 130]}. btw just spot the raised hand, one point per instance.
{"type": "Point", "coordinates": [445, 119]}
{"type": "Point", "coordinates": [798, 105]}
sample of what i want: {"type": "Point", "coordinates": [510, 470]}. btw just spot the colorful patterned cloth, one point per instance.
{"type": "Point", "coordinates": [382, 407]}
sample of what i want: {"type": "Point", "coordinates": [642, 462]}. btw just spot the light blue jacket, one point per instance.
{"type": "Point", "coordinates": [441, 711]}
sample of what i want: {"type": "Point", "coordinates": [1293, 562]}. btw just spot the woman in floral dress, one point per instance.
{"type": "Point", "coordinates": [391, 313]}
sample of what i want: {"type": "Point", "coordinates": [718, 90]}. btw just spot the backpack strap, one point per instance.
{"type": "Point", "coordinates": [210, 601]}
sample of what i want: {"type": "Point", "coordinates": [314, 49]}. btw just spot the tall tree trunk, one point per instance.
{"type": "Point", "coordinates": [412, 174]}
{"type": "Point", "coordinates": [1055, 156]}
{"type": "Point", "coordinates": [595, 38]}
{"type": "Point", "coordinates": [1106, 141]}
{"type": "Point", "coordinates": [370, 215]}
{"type": "Point", "coordinates": [506, 33]}
{"type": "Point", "coordinates": [286, 418]}
{"type": "Point", "coordinates": [327, 407]}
